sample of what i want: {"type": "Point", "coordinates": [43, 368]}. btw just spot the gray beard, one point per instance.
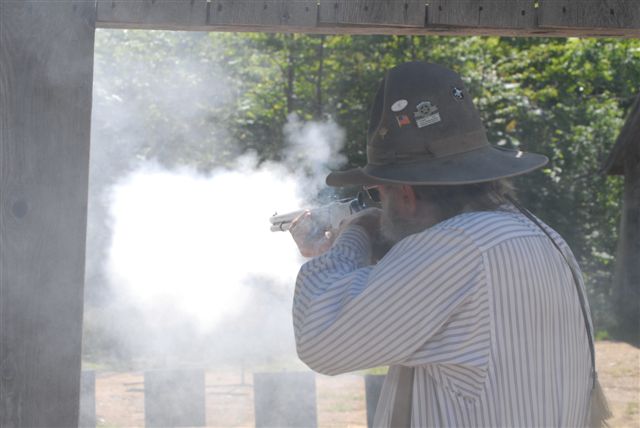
{"type": "Point", "coordinates": [394, 227]}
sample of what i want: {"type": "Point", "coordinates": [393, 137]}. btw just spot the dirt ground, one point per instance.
{"type": "Point", "coordinates": [341, 399]}
{"type": "Point", "coordinates": [619, 373]}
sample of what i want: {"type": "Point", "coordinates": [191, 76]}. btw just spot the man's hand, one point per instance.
{"type": "Point", "coordinates": [368, 218]}
{"type": "Point", "coordinates": [312, 237]}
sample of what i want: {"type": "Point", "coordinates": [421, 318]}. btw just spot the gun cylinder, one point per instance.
{"type": "Point", "coordinates": [331, 215]}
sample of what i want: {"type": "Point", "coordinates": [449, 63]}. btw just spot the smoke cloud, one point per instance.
{"type": "Point", "coordinates": [197, 242]}
{"type": "Point", "coordinates": [193, 250]}
{"type": "Point", "coordinates": [194, 272]}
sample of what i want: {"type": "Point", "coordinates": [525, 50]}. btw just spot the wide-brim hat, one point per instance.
{"type": "Point", "coordinates": [425, 130]}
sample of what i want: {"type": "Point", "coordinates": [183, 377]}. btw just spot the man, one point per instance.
{"type": "Point", "coordinates": [474, 308]}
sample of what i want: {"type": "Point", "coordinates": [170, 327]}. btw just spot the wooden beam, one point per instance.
{"type": "Point", "coordinates": [46, 61]}
{"type": "Point", "coordinates": [278, 13]}
{"type": "Point", "coordinates": [590, 14]}
{"type": "Point", "coordinates": [154, 13]}
{"type": "Point", "coordinates": [505, 14]}
{"type": "Point", "coordinates": [409, 13]}
{"type": "Point", "coordinates": [563, 18]}
{"type": "Point", "coordinates": [204, 15]}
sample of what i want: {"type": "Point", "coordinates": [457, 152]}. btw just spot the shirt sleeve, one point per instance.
{"type": "Point", "coordinates": [349, 315]}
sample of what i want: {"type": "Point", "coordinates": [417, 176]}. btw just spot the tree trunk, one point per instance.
{"type": "Point", "coordinates": [291, 72]}
{"type": "Point", "coordinates": [319, 78]}
{"type": "Point", "coordinates": [627, 275]}
{"type": "Point", "coordinates": [411, 40]}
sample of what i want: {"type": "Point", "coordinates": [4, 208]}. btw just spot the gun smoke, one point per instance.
{"type": "Point", "coordinates": [194, 273]}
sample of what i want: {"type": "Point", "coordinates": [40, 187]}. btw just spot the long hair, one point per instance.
{"type": "Point", "coordinates": [450, 201]}
{"type": "Point", "coordinates": [438, 203]}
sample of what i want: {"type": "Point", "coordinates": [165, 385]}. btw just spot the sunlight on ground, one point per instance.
{"type": "Point", "coordinates": [619, 373]}
{"type": "Point", "coordinates": [340, 400]}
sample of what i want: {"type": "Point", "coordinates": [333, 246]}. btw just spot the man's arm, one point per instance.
{"type": "Point", "coordinates": [349, 315]}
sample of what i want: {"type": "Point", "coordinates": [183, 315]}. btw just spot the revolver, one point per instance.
{"type": "Point", "coordinates": [330, 215]}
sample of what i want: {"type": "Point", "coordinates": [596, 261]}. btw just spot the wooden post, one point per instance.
{"type": "Point", "coordinates": [87, 418]}
{"type": "Point", "coordinates": [174, 398]}
{"type": "Point", "coordinates": [285, 400]}
{"type": "Point", "coordinates": [46, 68]}
{"type": "Point", "coordinates": [372, 389]}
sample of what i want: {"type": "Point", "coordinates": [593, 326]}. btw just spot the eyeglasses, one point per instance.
{"type": "Point", "coordinates": [373, 192]}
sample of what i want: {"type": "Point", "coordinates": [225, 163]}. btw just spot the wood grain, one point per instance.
{"type": "Point", "coordinates": [602, 14]}
{"type": "Point", "coordinates": [153, 12]}
{"type": "Point", "coordinates": [371, 29]}
{"type": "Point", "coordinates": [382, 12]}
{"type": "Point", "coordinates": [291, 14]}
{"type": "Point", "coordinates": [482, 13]}
{"type": "Point", "coordinates": [580, 18]}
{"type": "Point", "coordinates": [199, 14]}
{"type": "Point", "coordinates": [87, 418]}
{"type": "Point", "coordinates": [46, 60]}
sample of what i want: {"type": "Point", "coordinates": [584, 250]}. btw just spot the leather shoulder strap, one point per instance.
{"type": "Point", "coordinates": [576, 281]}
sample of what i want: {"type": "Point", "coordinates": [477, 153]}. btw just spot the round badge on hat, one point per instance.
{"type": "Point", "coordinates": [399, 105]}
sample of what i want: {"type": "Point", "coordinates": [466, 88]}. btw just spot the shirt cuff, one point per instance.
{"type": "Point", "coordinates": [354, 242]}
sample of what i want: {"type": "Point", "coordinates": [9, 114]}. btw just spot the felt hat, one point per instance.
{"type": "Point", "coordinates": [425, 130]}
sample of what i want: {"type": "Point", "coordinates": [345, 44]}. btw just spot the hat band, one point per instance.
{"type": "Point", "coordinates": [430, 150]}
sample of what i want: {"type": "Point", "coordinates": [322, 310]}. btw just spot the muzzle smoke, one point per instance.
{"type": "Point", "coordinates": [194, 271]}
{"type": "Point", "coordinates": [192, 249]}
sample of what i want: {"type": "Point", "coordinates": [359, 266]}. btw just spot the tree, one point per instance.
{"type": "Point", "coordinates": [225, 94]}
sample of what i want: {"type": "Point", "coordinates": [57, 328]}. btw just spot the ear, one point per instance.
{"type": "Point", "coordinates": [409, 200]}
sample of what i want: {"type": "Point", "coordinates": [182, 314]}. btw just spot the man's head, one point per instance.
{"type": "Point", "coordinates": [410, 209]}
{"type": "Point", "coordinates": [428, 151]}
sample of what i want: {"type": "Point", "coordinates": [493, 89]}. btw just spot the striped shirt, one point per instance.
{"type": "Point", "coordinates": [481, 305]}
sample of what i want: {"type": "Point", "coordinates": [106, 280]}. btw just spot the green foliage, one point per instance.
{"type": "Point", "coordinates": [376, 371]}
{"type": "Point", "coordinates": [602, 335]}
{"type": "Point", "coordinates": [565, 98]}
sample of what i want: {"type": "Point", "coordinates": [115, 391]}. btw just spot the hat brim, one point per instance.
{"type": "Point", "coordinates": [481, 165]}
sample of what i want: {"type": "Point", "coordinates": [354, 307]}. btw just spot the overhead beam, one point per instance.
{"type": "Point", "coordinates": [587, 14]}
{"type": "Point", "coordinates": [399, 13]}
{"type": "Point", "coordinates": [579, 18]}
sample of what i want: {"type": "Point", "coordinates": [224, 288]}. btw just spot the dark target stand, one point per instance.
{"type": "Point", "coordinates": [174, 398]}
{"type": "Point", "coordinates": [46, 75]}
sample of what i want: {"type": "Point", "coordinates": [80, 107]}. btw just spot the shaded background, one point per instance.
{"type": "Point", "coordinates": [191, 104]}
